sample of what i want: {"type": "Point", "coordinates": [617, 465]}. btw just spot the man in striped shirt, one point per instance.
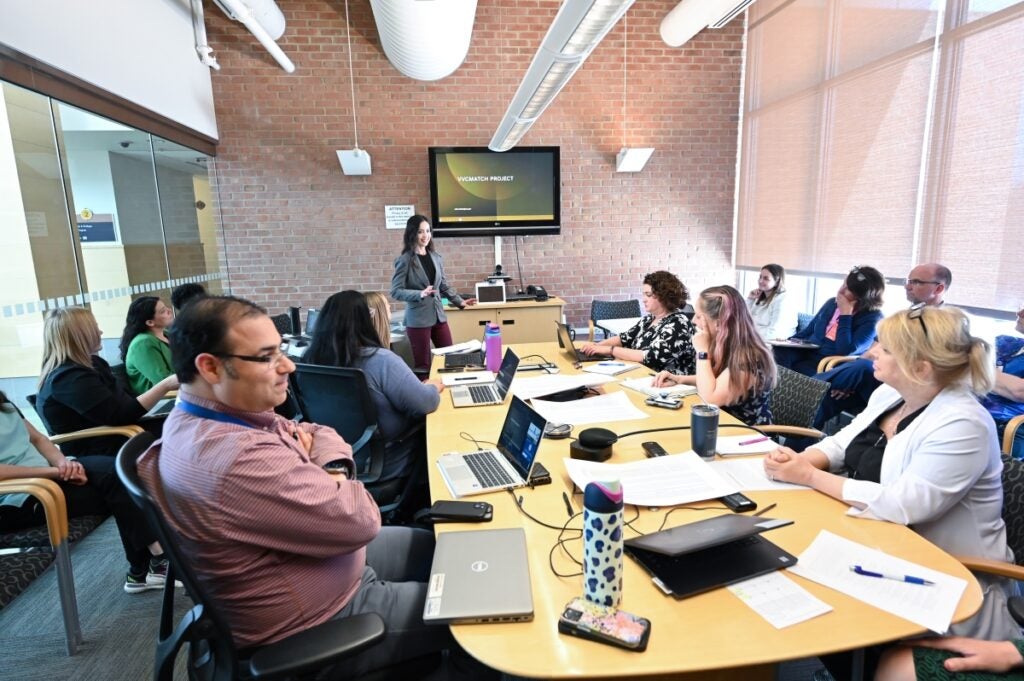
{"type": "Point", "coordinates": [280, 543]}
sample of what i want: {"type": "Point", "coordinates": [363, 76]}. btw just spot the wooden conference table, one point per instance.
{"type": "Point", "coordinates": [704, 633]}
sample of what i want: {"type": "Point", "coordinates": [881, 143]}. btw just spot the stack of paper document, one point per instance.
{"type": "Point", "coordinates": [602, 409]}
{"type": "Point", "coordinates": [643, 385]}
{"type": "Point", "coordinates": [468, 346]}
{"type": "Point", "coordinates": [610, 368]}
{"type": "Point", "coordinates": [741, 445]}
{"type": "Point", "coordinates": [539, 386]}
{"type": "Point", "coordinates": [661, 481]}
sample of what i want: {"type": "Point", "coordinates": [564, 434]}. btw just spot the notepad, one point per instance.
{"type": "Point", "coordinates": [609, 368]}
{"type": "Point", "coordinates": [643, 385]}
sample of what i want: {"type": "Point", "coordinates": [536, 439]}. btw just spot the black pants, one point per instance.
{"type": "Point", "coordinates": [102, 495]}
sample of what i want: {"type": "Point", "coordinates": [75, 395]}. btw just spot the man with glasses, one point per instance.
{"type": "Point", "coordinates": [275, 523]}
{"type": "Point", "coordinates": [853, 382]}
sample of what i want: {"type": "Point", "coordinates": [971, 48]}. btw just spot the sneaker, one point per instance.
{"type": "Point", "coordinates": [154, 579]}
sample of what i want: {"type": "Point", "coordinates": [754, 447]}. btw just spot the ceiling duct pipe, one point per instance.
{"type": "Point", "coordinates": [425, 40]}
{"type": "Point", "coordinates": [578, 28]}
{"type": "Point", "coordinates": [690, 17]}
{"type": "Point", "coordinates": [264, 20]}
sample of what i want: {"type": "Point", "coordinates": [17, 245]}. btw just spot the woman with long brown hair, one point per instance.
{"type": "Point", "coordinates": [735, 369]}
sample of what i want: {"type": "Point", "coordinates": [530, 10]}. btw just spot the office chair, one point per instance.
{"type": "Point", "coordinates": [283, 323]}
{"type": "Point", "coordinates": [802, 320]}
{"type": "Point", "coordinates": [611, 309]}
{"type": "Point", "coordinates": [1013, 437]}
{"type": "Point", "coordinates": [340, 397]}
{"type": "Point", "coordinates": [212, 655]}
{"type": "Point", "coordinates": [794, 403]}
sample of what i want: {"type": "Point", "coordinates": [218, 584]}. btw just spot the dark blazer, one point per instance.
{"type": "Point", "coordinates": [407, 282]}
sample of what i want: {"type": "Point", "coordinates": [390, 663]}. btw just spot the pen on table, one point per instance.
{"type": "Point", "coordinates": [909, 579]}
{"type": "Point", "coordinates": [611, 364]}
{"type": "Point", "coordinates": [765, 509]}
{"type": "Point", "coordinates": [755, 440]}
{"type": "Point", "coordinates": [568, 505]}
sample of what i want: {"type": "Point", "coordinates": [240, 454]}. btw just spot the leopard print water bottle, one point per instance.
{"type": "Point", "coordinates": [602, 543]}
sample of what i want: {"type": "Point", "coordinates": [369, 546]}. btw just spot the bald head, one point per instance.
{"type": "Point", "coordinates": [927, 283]}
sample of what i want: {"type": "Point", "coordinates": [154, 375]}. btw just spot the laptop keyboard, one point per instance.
{"type": "Point", "coordinates": [487, 470]}
{"type": "Point", "coordinates": [462, 359]}
{"type": "Point", "coordinates": [481, 393]}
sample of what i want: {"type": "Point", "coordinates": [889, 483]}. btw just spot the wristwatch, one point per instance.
{"type": "Point", "coordinates": [341, 467]}
{"type": "Point", "coordinates": [702, 355]}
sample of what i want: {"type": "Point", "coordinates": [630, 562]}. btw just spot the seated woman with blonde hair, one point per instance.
{"type": "Point", "coordinates": [735, 369]}
{"type": "Point", "coordinates": [923, 453]}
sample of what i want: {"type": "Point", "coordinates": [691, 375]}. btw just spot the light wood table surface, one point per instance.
{"type": "Point", "coordinates": [704, 633]}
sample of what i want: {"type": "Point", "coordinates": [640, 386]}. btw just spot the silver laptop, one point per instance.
{"type": "Point", "coordinates": [507, 466]}
{"type": "Point", "coordinates": [479, 576]}
{"type": "Point", "coordinates": [574, 355]}
{"type": "Point", "coordinates": [480, 394]}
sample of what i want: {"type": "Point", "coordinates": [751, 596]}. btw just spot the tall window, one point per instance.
{"type": "Point", "coordinates": [886, 132]}
{"type": "Point", "coordinates": [95, 213]}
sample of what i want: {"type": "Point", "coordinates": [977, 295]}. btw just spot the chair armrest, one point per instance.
{"type": "Point", "coordinates": [992, 567]}
{"type": "Point", "coordinates": [51, 496]}
{"type": "Point", "coordinates": [317, 647]}
{"type": "Point", "coordinates": [124, 431]}
{"type": "Point", "coordinates": [590, 329]}
{"type": "Point", "coordinates": [1011, 432]}
{"type": "Point", "coordinates": [832, 361]}
{"type": "Point", "coordinates": [792, 430]}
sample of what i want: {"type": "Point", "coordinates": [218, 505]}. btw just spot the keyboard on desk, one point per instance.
{"type": "Point", "coordinates": [461, 359]}
{"type": "Point", "coordinates": [481, 394]}
{"type": "Point", "coordinates": [487, 470]}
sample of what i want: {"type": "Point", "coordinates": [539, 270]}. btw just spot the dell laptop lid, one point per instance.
{"type": "Point", "coordinates": [479, 576]}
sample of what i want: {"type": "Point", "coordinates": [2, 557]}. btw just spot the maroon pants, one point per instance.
{"type": "Point", "coordinates": [419, 340]}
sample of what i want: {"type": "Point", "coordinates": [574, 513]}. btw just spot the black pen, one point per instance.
{"type": "Point", "coordinates": [568, 504]}
{"type": "Point", "coordinates": [765, 509]}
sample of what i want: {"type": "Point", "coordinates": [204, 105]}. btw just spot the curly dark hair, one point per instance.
{"type": "Point", "coordinates": [667, 288]}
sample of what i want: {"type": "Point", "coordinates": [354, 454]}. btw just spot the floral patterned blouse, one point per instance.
{"type": "Point", "coordinates": [666, 343]}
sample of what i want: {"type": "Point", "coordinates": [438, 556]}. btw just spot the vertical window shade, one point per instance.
{"type": "Point", "coordinates": [868, 139]}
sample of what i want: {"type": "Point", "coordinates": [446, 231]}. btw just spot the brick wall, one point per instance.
{"type": "Point", "coordinates": [297, 229]}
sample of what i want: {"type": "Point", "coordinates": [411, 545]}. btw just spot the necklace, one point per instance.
{"type": "Point", "coordinates": [895, 424]}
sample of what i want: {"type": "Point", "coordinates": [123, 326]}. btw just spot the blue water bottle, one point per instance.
{"type": "Point", "coordinates": [492, 346]}
{"type": "Point", "coordinates": [602, 543]}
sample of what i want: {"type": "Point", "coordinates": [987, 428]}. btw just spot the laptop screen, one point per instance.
{"type": "Point", "coordinates": [520, 436]}
{"type": "Point", "coordinates": [503, 381]}
{"type": "Point", "coordinates": [311, 316]}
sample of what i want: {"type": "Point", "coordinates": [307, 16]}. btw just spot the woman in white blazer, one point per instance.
{"type": "Point", "coordinates": [419, 282]}
{"type": "Point", "coordinates": [774, 315]}
{"type": "Point", "coordinates": [924, 452]}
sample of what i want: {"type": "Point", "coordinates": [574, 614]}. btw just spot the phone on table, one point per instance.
{"type": "Point", "coordinates": [461, 512]}
{"type": "Point", "coordinates": [665, 402]}
{"type": "Point", "coordinates": [605, 625]}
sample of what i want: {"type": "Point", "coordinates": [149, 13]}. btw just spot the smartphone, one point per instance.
{"type": "Point", "coordinates": [461, 512]}
{"type": "Point", "coordinates": [605, 625]}
{"type": "Point", "coordinates": [665, 402]}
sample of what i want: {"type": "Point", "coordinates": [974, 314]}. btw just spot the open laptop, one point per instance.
{"type": "Point", "coordinates": [480, 394]}
{"type": "Point", "coordinates": [508, 466]}
{"type": "Point", "coordinates": [479, 576]}
{"type": "Point", "coordinates": [697, 557]}
{"type": "Point", "coordinates": [574, 355]}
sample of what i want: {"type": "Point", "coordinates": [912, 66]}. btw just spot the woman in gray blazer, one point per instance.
{"type": "Point", "coordinates": [417, 281]}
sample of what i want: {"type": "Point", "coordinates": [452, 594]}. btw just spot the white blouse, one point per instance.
{"type": "Point", "coordinates": [777, 319]}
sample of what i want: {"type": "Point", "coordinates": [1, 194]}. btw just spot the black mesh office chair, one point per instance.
{"type": "Point", "coordinates": [283, 323]}
{"type": "Point", "coordinates": [611, 309]}
{"type": "Point", "coordinates": [212, 655]}
{"type": "Point", "coordinates": [339, 397]}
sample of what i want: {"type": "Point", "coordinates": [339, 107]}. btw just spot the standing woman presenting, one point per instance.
{"type": "Point", "coordinates": [420, 283]}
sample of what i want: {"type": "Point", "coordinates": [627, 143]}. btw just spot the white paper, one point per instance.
{"type": "Point", "coordinates": [600, 409]}
{"type": "Point", "coordinates": [828, 559]}
{"type": "Point", "coordinates": [609, 368]}
{"type": "Point", "coordinates": [538, 386]}
{"type": "Point", "coordinates": [660, 481]}
{"type": "Point", "coordinates": [748, 475]}
{"type": "Point", "coordinates": [733, 445]}
{"type": "Point", "coordinates": [779, 599]}
{"type": "Point", "coordinates": [643, 385]}
{"type": "Point", "coordinates": [468, 346]}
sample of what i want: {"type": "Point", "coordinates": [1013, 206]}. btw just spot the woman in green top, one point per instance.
{"type": "Point", "coordinates": [144, 347]}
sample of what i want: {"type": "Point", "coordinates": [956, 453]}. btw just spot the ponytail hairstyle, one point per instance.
{"type": "Point", "coordinates": [69, 334]}
{"type": "Point", "coordinates": [942, 337]}
{"type": "Point", "coordinates": [736, 345]}
{"type": "Point", "coordinates": [142, 310]}
{"type": "Point", "coordinates": [778, 273]}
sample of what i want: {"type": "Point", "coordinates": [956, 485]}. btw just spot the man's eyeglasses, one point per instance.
{"type": "Point", "coordinates": [921, 282]}
{"type": "Point", "coordinates": [272, 359]}
{"type": "Point", "coordinates": [917, 312]}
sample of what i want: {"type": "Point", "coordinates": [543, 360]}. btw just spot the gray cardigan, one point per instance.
{"type": "Point", "coordinates": [407, 282]}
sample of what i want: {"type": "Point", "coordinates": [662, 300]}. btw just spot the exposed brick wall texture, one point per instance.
{"type": "Point", "coordinates": [297, 229]}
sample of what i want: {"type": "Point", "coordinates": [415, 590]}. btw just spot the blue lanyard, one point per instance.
{"type": "Point", "coordinates": [204, 413]}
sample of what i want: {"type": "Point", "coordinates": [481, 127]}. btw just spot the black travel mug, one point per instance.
{"type": "Point", "coordinates": [704, 429]}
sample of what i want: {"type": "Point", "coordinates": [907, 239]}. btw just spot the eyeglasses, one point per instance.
{"type": "Point", "coordinates": [921, 282]}
{"type": "Point", "coordinates": [273, 359]}
{"type": "Point", "coordinates": [917, 312]}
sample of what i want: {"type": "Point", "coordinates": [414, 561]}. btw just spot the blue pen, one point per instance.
{"type": "Point", "coordinates": [898, 578]}
{"type": "Point", "coordinates": [611, 364]}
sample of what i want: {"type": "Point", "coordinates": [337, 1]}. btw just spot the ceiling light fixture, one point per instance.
{"type": "Point", "coordinates": [628, 160]}
{"type": "Point", "coordinates": [425, 40]}
{"type": "Point", "coordinates": [690, 17]}
{"type": "Point", "coordinates": [353, 161]}
{"type": "Point", "coordinates": [577, 29]}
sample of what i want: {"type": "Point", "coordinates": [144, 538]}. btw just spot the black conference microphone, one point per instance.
{"type": "Point", "coordinates": [595, 444]}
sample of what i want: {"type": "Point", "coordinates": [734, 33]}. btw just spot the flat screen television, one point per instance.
{"type": "Point", "coordinates": [478, 192]}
